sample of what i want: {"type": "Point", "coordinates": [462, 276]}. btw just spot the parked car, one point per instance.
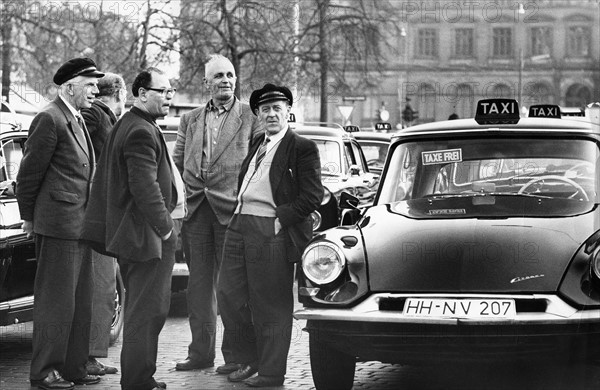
{"type": "Point", "coordinates": [483, 242]}
{"type": "Point", "coordinates": [343, 168]}
{"type": "Point", "coordinates": [375, 146]}
{"type": "Point", "coordinates": [17, 252]}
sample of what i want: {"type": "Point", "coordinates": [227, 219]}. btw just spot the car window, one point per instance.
{"type": "Point", "coordinates": [359, 158]}
{"type": "Point", "coordinates": [331, 160]}
{"type": "Point", "coordinates": [11, 155]}
{"type": "Point", "coordinates": [551, 171]}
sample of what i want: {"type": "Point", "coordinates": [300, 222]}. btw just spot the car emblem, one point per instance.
{"type": "Point", "coordinates": [523, 278]}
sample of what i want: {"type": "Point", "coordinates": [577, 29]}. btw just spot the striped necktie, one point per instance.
{"type": "Point", "coordinates": [262, 151]}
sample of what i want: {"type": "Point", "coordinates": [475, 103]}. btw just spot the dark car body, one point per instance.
{"type": "Point", "coordinates": [483, 241]}
{"type": "Point", "coordinates": [343, 169]}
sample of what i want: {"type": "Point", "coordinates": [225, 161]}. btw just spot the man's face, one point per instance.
{"type": "Point", "coordinates": [157, 102]}
{"type": "Point", "coordinates": [82, 91]}
{"type": "Point", "coordinates": [220, 80]}
{"type": "Point", "coordinates": [274, 116]}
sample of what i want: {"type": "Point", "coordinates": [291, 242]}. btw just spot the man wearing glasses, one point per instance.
{"type": "Point", "coordinates": [137, 195]}
{"type": "Point", "coordinates": [53, 187]}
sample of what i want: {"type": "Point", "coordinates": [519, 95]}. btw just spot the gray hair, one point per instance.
{"type": "Point", "coordinates": [110, 85]}
{"type": "Point", "coordinates": [212, 59]}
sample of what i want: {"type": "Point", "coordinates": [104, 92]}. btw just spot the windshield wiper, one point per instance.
{"type": "Point", "coordinates": [483, 194]}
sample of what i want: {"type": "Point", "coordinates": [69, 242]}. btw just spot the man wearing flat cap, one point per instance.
{"type": "Point", "coordinates": [52, 190]}
{"type": "Point", "coordinates": [279, 186]}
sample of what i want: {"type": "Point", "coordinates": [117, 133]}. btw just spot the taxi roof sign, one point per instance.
{"type": "Point", "coordinates": [383, 126]}
{"type": "Point", "coordinates": [497, 111]}
{"type": "Point", "coordinates": [544, 111]}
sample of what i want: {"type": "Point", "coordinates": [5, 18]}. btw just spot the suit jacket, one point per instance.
{"type": "Point", "coordinates": [295, 176]}
{"type": "Point", "coordinates": [99, 120]}
{"type": "Point", "coordinates": [56, 171]}
{"type": "Point", "coordinates": [133, 192]}
{"type": "Point", "coordinates": [219, 186]}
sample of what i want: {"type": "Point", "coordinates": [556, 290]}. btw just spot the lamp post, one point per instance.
{"type": "Point", "coordinates": [404, 64]}
{"type": "Point", "coordinates": [521, 11]}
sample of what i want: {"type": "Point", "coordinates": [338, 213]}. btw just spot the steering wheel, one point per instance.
{"type": "Point", "coordinates": [557, 178]}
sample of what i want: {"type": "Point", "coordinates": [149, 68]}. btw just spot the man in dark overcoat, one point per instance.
{"type": "Point", "coordinates": [137, 195]}
{"type": "Point", "coordinates": [279, 187]}
{"type": "Point", "coordinates": [53, 186]}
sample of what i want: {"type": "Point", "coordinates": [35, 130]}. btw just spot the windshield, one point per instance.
{"type": "Point", "coordinates": [494, 177]}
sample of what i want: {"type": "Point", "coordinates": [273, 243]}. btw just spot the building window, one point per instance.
{"type": "Point", "coordinates": [541, 41]}
{"type": "Point", "coordinates": [427, 44]}
{"type": "Point", "coordinates": [578, 44]}
{"type": "Point", "coordinates": [502, 44]}
{"type": "Point", "coordinates": [463, 42]}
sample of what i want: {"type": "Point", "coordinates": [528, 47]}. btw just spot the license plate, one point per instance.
{"type": "Point", "coordinates": [460, 308]}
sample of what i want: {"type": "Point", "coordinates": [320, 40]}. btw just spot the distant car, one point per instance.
{"type": "Point", "coordinates": [375, 146]}
{"type": "Point", "coordinates": [343, 169]}
{"type": "Point", "coordinates": [17, 252]}
{"type": "Point", "coordinates": [483, 242]}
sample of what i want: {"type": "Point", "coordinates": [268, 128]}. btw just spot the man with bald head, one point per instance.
{"type": "Point", "coordinates": [211, 144]}
{"type": "Point", "coordinates": [53, 187]}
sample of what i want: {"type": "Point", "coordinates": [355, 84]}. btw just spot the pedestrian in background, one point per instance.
{"type": "Point", "coordinates": [279, 187]}
{"type": "Point", "coordinates": [211, 144]}
{"type": "Point", "coordinates": [100, 118]}
{"type": "Point", "coordinates": [52, 190]}
{"type": "Point", "coordinates": [137, 195]}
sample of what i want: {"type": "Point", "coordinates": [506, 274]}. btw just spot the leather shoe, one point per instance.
{"type": "Point", "coordinates": [87, 380]}
{"type": "Point", "coordinates": [265, 381]}
{"type": "Point", "coordinates": [243, 373]}
{"type": "Point", "coordinates": [159, 385]}
{"type": "Point", "coordinates": [228, 368]}
{"type": "Point", "coordinates": [191, 364]}
{"type": "Point", "coordinates": [53, 381]}
{"type": "Point", "coordinates": [94, 367]}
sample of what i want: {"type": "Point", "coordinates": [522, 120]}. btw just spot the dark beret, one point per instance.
{"type": "Point", "coordinates": [82, 66]}
{"type": "Point", "coordinates": [269, 93]}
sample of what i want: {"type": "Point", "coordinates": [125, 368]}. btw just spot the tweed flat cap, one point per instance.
{"type": "Point", "coordinates": [269, 93]}
{"type": "Point", "coordinates": [82, 66]}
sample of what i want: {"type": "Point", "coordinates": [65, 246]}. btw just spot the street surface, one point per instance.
{"type": "Point", "coordinates": [15, 354]}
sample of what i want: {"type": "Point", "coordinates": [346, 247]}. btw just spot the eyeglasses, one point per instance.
{"type": "Point", "coordinates": [164, 91]}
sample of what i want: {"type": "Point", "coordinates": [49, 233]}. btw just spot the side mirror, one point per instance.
{"type": "Point", "coordinates": [348, 201]}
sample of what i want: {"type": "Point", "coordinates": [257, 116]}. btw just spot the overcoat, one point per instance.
{"type": "Point", "coordinates": [133, 192]}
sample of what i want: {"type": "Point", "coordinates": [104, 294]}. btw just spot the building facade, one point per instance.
{"type": "Point", "coordinates": [453, 53]}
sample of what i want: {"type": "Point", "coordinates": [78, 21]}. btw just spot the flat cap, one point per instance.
{"type": "Point", "coordinates": [81, 66]}
{"type": "Point", "coordinates": [269, 93]}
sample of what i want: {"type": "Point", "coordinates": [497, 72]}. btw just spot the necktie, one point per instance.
{"type": "Point", "coordinates": [81, 134]}
{"type": "Point", "coordinates": [262, 151]}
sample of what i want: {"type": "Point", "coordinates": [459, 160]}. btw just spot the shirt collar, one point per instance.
{"type": "Point", "coordinates": [210, 106]}
{"type": "Point", "coordinates": [275, 138]}
{"type": "Point", "coordinates": [75, 113]}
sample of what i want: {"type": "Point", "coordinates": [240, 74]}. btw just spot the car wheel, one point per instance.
{"type": "Point", "coordinates": [331, 369]}
{"type": "Point", "coordinates": [117, 323]}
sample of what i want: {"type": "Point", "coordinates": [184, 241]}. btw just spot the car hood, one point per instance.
{"type": "Point", "coordinates": [470, 254]}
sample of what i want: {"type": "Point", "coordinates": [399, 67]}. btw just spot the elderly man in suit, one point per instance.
{"type": "Point", "coordinates": [211, 144]}
{"type": "Point", "coordinates": [279, 187]}
{"type": "Point", "coordinates": [136, 196]}
{"type": "Point", "coordinates": [53, 186]}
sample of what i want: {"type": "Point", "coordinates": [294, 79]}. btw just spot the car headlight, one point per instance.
{"type": "Point", "coordinates": [326, 196]}
{"type": "Point", "coordinates": [316, 220]}
{"type": "Point", "coordinates": [323, 262]}
{"type": "Point", "coordinates": [596, 265]}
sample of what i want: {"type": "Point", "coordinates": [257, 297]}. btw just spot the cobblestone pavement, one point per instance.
{"type": "Point", "coordinates": [15, 354]}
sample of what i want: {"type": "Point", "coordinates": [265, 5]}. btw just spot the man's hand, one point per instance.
{"type": "Point", "coordinates": [166, 236]}
{"type": "Point", "coordinates": [28, 228]}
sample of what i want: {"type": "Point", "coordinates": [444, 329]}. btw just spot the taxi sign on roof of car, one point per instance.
{"type": "Point", "coordinates": [544, 111]}
{"type": "Point", "coordinates": [497, 111]}
{"type": "Point", "coordinates": [383, 126]}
